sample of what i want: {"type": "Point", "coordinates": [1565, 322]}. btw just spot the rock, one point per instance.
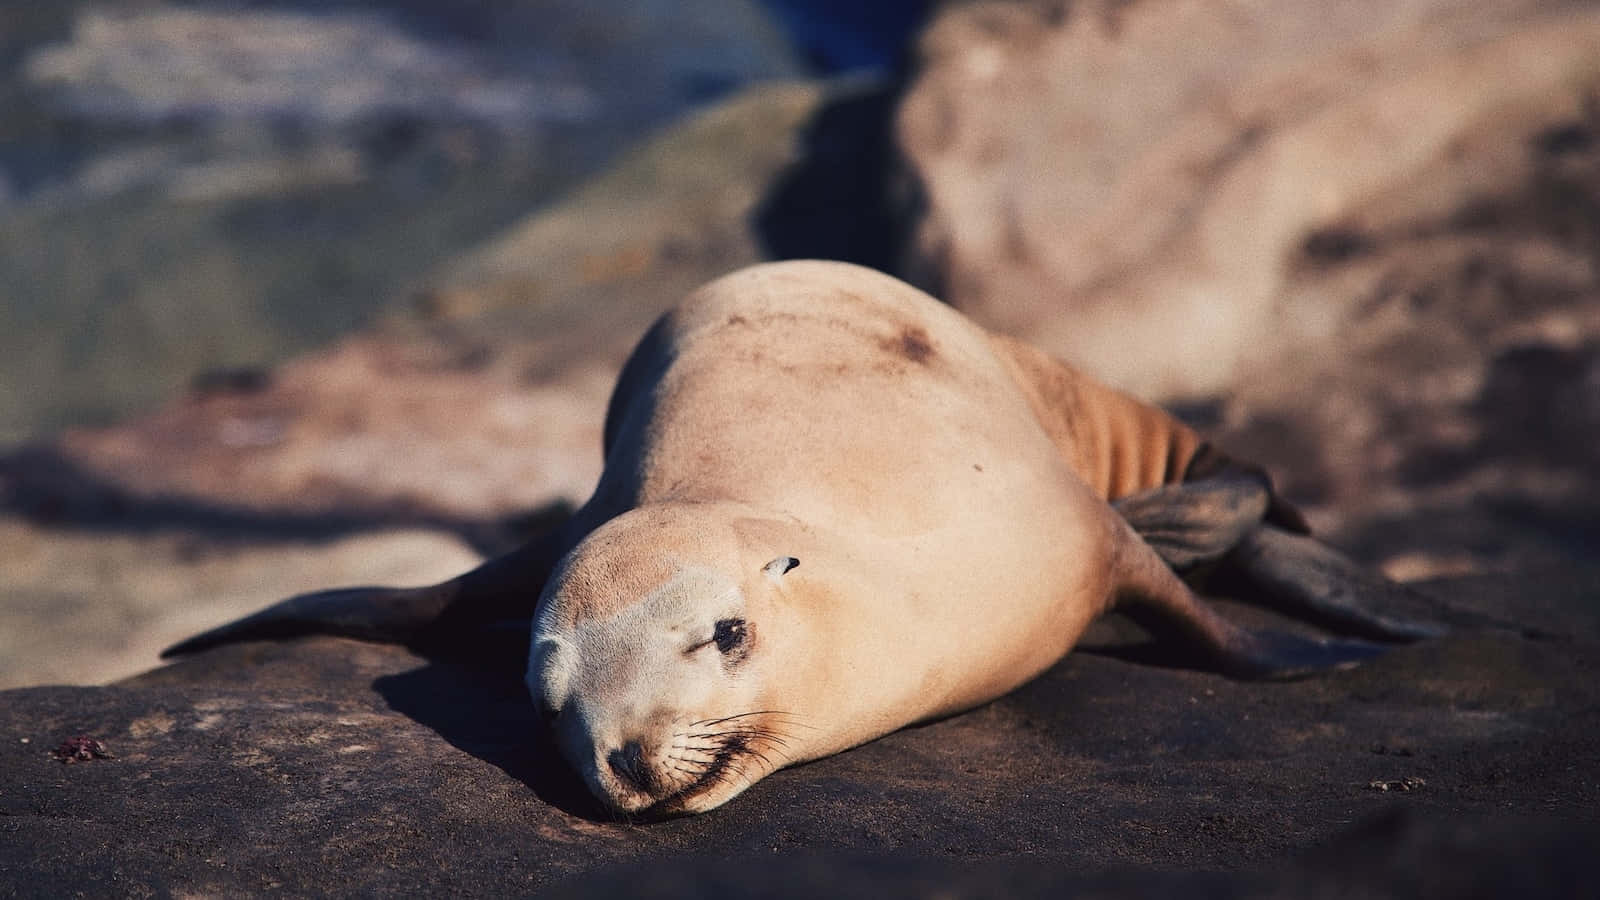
{"type": "Point", "coordinates": [512, 67]}
{"type": "Point", "coordinates": [589, 275]}
{"type": "Point", "coordinates": [1423, 384]}
{"type": "Point", "coordinates": [224, 186]}
{"type": "Point", "coordinates": [329, 766]}
{"type": "Point", "coordinates": [476, 417]}
{"type": "Point", "coordinates": [485, 396]}
{"type": "Point", "coordinates": [1130, 185]}
{"type": "Point", "coordinates": [1352, 245]}
{"type": "Point", "coordinates": [1449, 407]}
{"type": "Point", "coordinates": [165, 66]}
{"type": "Point", "coordinates": [88, 608]}
{"type": "Point", "coordinates": [381, 428]}
{"type": "Point", "coordinates": [1395, 854]}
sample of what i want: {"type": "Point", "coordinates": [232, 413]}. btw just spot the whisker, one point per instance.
{"type": "Point", "coordinates": [737, 732]}
{"type": "Point", "coordinates": [748, 733]}
{"type": "Point", "coordinates": [705, 757]}
{"type": "Point", "coordinates": [700, 764]}
{"type": "Point", "coordinates": [792, 719]}
{"type": "Point", "coordinates": [744, 715]}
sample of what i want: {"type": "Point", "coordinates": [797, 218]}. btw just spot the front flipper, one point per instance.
{"type": "Point", "coordinates": [1306, 578]}
{"type": "Point", "coordinates": [503, 590]}
{"type": "Point", "coordinates": [385, 615]}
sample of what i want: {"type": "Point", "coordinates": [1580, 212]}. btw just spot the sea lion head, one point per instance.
{"type": "Point", "coordinates": [655, 656]}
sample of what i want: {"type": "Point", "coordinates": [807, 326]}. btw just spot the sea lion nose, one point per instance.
{"type": "Point", "coordinates": [628, 763]}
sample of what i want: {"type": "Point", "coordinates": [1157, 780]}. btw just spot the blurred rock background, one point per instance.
{"type": "Point", "coordinates": [201, 186]}
{"type": "Point", "coordinates": [193, 194]}
{"type": "Point", "coordinates": [294, 295]}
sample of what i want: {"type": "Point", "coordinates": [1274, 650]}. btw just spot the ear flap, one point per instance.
{"type": "Point", "coordinates": [776, 569]}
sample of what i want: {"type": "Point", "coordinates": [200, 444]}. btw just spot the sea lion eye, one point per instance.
{"type": "Point", "coordinates": [728, 635]}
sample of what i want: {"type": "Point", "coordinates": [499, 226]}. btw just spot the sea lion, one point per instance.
{"type": "Point", "coordinates": [832, 507]}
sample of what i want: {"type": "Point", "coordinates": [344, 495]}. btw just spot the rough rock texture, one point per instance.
{"type": "Point", "coordinates": [186, 187]}
{"type": "Point", "coordinates": [1355, 244]}
{"type": "Point", "coordinates": [585, 279]}
{"type": "Point", "coordinates": [513, 66]}
{"type": "Point", "coordinates": [1128, 184]}
{"type": "Point", "coordinates": [331, 766]}
{"type": "Point", "coordinates": [88, 607]}
{"type": "Point", "coordinates": [486, 397]}
{"type": "Point", "coordinates": [161, 66]}
{"type": "Point", "coordinates": [1452, 408]}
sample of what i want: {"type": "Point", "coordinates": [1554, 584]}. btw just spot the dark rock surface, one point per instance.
{"type": "Point", "coordinates": [328, 766]}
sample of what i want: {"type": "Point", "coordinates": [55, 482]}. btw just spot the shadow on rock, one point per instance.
{"type": "Point", "coordinates": [1397, 854]}
{"type": "Point", "coordinates": [44, 486]}
{"type": "Point", "coordinates": [847, 198]}
{"type": "Point", "coordinates": [1539, 407]}
{"type": "Point", "coordinates": [487, 714]}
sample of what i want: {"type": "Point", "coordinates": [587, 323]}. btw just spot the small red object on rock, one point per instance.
{"type": "Point", "coordinates": [81, 749]}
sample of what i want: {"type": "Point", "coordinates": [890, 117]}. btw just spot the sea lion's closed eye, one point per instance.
{"type": "Point", "coordinates": [729, 634]}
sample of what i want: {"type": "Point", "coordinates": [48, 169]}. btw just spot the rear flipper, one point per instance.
{"type": "Point", "coordinates": [461, 612]}
{"type": "Point", "coordinates": [1226, 529]}
{"type": "Point", "coordinates": [1152, 595]}
{"type": "Point", "coordinates": [1303, 577]}
{"type": "Point", "coordinates": [1198, 521]}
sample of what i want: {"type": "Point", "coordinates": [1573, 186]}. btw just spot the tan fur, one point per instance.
{"type": "Point", "coordinates": [943, 489]}
{"type": "Point", "coordinates": [1117, 444]}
